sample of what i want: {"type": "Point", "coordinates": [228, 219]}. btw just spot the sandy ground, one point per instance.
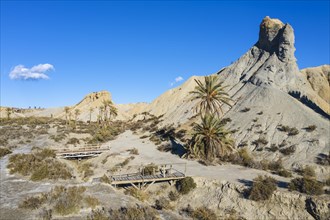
{"type": "Point", "coordinates": [148, 153]}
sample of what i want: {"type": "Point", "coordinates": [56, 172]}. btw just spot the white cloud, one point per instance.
{"type": "Point", "coordinates": [35, 72]}
{"type": "Point", "coordinates": [177, 79]}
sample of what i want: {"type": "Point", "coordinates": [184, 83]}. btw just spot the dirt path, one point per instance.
{"type": "Point", "coordinates": [148, 153]}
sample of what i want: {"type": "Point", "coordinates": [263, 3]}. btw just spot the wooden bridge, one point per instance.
{"type": "Point", "coordinates": [79, 153]}
{"type": "Point", "coordinates": [158, 173]}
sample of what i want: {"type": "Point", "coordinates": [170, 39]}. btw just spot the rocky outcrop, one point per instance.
{"type": "Point", "coordinates": [319, 79]}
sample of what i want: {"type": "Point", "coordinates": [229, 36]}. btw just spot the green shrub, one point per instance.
{"type": "Point", "coordinates": [173, 195]}
{"type": "Point", "coordinates": [4, 151]}
{"type": "Point", "coordinates": [306, 185]}
{"type": "Point", "coordinates": [262, 188]}
{"type": "Point", "coordinates": [184, 186]}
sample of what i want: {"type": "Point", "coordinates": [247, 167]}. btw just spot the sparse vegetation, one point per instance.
{"type": "Point", "coordinates": [134, 151]}
{"type": "Point", "coordinates": [39, 165]}
{"type": "Point", "coordinates": [245, 110]}
{"type": "Point", "coordinates": [200, 213]}
{"type": "Point", "coordinates": [162, 203]}
{"type": "Point", "coordinates": [310, 128]}
{"type": "Point", "coordinates": [86, 170]}
{"type": "Point", "coordinates": [165, 147]}
{"type": "Point", "coordinates": [4, 151]}
{"type": "Point", "coordinates": [137, 193]}
{"type": "Point", "coordinates": [184, 186]}
{"type": "Point", "coordinates": [124, 213]}
{"type": "Point", "coordinates": [73, 141]}
{"type": "Point", "coordinates": [291, 131]}
{"type": "Point", "coordinates": [173, 195]}
{"type": "Point", "coordinates": [62, 200]}
{"type": "Point", "coordinates": [306, 185]}
{"type": "Point", "coordinates": [150, 169]}
{"type": "Point", "coordinates": [289, 150]}
{"type": "Point", "coordinates": [105, 179]}
{"type": "Point", "coordinates": [263, 188]}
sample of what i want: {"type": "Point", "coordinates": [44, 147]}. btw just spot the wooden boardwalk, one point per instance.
{"type": "Point", "coordinates": [166, 172]}
{"type": "Point", "coordinates": [85, 152]}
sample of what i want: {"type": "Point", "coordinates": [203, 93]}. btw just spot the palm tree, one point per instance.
{"type": "Point", "coordinates": [91, 109]}
{"type": "Point", "coordinates": [76, 114]}
{"type": "Point", "coordinates": [113, 111]}
{"type": "Point", "coordinates": [211, 138]}
{"type": "Point", "coordinates": [66, 110]}
{"type": "Point", "coordinates": [9, 111]}
{"type": "Point", "coordinates": [210, 95]}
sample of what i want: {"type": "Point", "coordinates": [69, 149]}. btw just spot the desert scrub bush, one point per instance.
{"type": "Point", "coordinates": [125, 213]}
{"type": "Point", "coordinates": [133, 151]}
{"type": "Point", "coordinates": [33, 202]}
{"type": "Point", "coordinates": [291, 131]}
{"type": "Point", "coordinates": [91, 201]}
{"type": "Point", "coordinates": [273, 148]}
{"type": "Point", "coordinates": [39, 165]}
{"type": "Point", "coordinates": [261, 141]}
{"type": "Point", "coordinates": [67, 200]}
{"type": "Point", "coordinates": [162, 203]}
{"type": "Point", "coordinates": [125, 162]}
{"type": "Point", "coordinates": [86, 169]}
{"type": "Point", "coordinates": [184, 186]}
{"type": "Point", "coordinates": [144, 136]}
{"type": "Point", "coordinates": [4, 151]}
{"type": "Point", "coordinates": [289, 150]}
{"type": "Point", "coordinates": [45, 214]}
{"type": "Point", "coordinates": [263, 188]}
{"type": "Point", "coordinates": [156, 140]}
{"type": "Point", "coordinates": [323, 159]}
{"type": "Point", "coordinates": [173, 195]}
{"type": "Point", "coordinates": [58, 137]}
{"type": "Point", "coordinates": [306, 185]}
{"type": "Point", "coordinates": [245, 110]}
{"type": "Point", "coordinates": [310, 128]}
{"type": "Point", "coordinates": [284, 173]}
{"type": "Point", "coordinates": [308, 171]}
{"type": "Point", "coordinates": [165, 147]}
{"type": "Point", "coordinates": [137, 193]}
{"type": "Point", "coordinates": [105, 179]}
{"type": "Point", "coordinates": [149, 169]}
{"type": "Point", "coordinates": [327, 181]}
{"type": "Point", "coordinates": [200, 213]}
{"type": "Point", "coordinates": [73, 141]}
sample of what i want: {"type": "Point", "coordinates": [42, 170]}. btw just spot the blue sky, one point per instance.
{"type": "Point", "coordinates": [136, 50]}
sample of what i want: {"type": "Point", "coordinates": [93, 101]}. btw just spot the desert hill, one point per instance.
{"type": "Point", "coordinates": [271, 98]}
